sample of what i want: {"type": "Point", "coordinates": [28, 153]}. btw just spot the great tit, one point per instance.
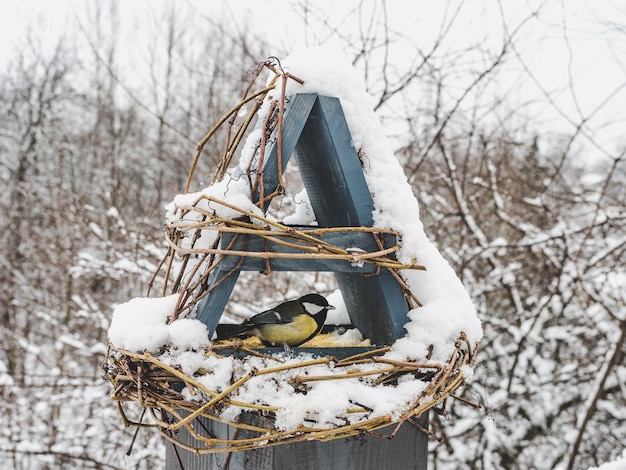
{"type": "Point", "coordinates": [291, 323]}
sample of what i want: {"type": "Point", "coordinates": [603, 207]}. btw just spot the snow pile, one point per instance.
{"type": "Point", "coordinates": [618, 464]}
{"type": "Point", "coordinates": [141, 325]}
{"type": "Point", "coordinates": [325, 402]}
{"type": "Point", "coordinates": [447, 308]}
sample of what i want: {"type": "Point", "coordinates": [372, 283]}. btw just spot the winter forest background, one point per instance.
{"type": "Point", "coordinates": [524, 195]}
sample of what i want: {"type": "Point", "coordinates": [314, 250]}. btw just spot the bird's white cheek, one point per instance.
{"type": "Point", "coordinates": [312, 308]}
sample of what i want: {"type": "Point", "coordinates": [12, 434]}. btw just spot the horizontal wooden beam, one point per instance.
{"type": "Point", "coordinates": [263, 253]}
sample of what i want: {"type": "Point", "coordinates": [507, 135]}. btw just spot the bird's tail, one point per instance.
{"type": "Point", "coordinates": [230, 331]}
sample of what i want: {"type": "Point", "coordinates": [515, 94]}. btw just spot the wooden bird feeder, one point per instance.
{"type": "Point", "coordinates": [313, 129]}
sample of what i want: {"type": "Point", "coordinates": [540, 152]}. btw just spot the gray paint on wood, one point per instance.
{"type": "Point", "coordinates": [297, 110]}
{"type": "Point", "coordinates": [337, 352]}
{"type": "Point", "coordinates": [210, 309]}
{"type": "Point", "coordinates": [332, 174]}
{"type": "Point", "coordinates": [251, 243]}
{"type": "Point", "coordinates": [407, 450]}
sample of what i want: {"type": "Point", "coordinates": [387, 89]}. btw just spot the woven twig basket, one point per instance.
{"type": "Point", "coordinates": [165, 391]}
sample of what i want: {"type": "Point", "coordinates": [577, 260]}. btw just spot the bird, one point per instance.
{"type": "Point", "coordinates": [289, 324]}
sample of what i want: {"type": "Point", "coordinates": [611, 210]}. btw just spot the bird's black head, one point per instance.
{"type": "Point", "coordinates": [317, 306]}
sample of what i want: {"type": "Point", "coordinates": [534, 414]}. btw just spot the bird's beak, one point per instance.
{"type": "Point", "coordinates": [330, 307]}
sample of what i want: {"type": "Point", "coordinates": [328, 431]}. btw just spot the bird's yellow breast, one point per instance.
{"type": "Point", "coordinates": [293, 333]}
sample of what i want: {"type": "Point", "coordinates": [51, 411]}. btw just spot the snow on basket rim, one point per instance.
{"type": "Point", "coordinates": [167, 366]}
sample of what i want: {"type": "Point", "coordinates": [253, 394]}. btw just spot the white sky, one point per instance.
{"type": "Point", "coordinates": [571, 49]}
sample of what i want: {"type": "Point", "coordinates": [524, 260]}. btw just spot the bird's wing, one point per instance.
{"type": "Point", "coordinates": [287, 310]}
{"type": "Point", "coordinates": [229, 331]}
{"type": "Point", "coordinates": [269, 317]}
{"type": "Point", "coordinates": [278, 315]}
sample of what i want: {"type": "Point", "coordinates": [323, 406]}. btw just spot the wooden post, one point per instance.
{"type": "Point", "coordinates": [406, 451]}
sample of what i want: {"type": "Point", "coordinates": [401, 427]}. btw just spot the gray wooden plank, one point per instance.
{"type": "Point", "coordinates": [406, 451]}
{"type": "Point", "coordinates": [251, 243]}
{"type": "Point", "coordinates": [297, 111]}
{"type": "Point", "coordinates": [334, 180]}
{"type": "Point", "coordinates": [337, 352]}
{"type": "Point", "coordinates": [210, 309]}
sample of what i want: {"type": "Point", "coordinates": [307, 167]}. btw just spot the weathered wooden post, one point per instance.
{"type": "Point", "coordinates": [315, 131]}
{"type": "Point", "coordinates": [407, 450]}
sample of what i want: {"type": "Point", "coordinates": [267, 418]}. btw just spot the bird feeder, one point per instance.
{"type": "Point", "coordinates": [312, 129]}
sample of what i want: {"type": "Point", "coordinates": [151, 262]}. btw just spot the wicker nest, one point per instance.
{"type": "Point", "coordinates": [177, 398]}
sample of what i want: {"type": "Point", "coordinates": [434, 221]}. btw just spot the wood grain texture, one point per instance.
{"type": "Point", "coordinates": [406, 451]}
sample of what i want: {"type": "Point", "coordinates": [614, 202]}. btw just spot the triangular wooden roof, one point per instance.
{"type": "Point", "coordinates": [315, 131]}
